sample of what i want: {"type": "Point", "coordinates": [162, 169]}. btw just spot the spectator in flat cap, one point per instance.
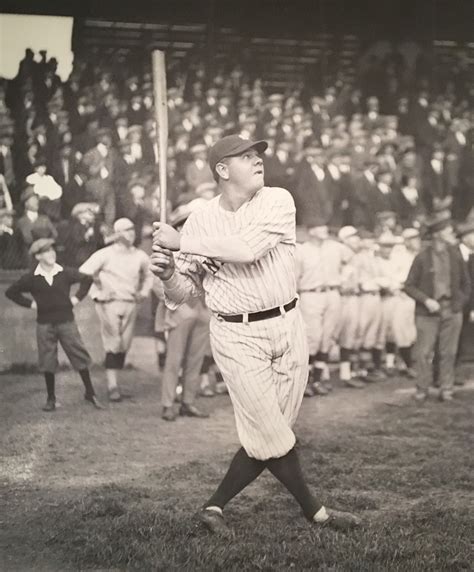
{"type": "Point", "coordinates": [49, 286]}
{"type": "Point", "coordinates": [439, 283]}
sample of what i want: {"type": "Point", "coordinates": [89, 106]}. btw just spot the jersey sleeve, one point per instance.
{"type": "Point", "coordinates": [93, 264]}
{"type": "Point", "coordinates": [272, 223]}
{"type": "Point", "coordinates": [186, 281]}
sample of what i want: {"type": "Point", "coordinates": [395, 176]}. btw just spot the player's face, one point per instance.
{"type": "Point", "coordinates": [353, 242]}
{"type": "Point", "coordinates": [246, 170]}
{"type": "Point", "coordinates": [47, 256]}
{"type": "Point", "coordinates": [127, 236]}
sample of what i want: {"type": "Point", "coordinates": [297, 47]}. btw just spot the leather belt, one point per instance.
{"type": "Point", "coordinates": [257, 316]}
{"type": "Point", "coordinates": [321, 289]}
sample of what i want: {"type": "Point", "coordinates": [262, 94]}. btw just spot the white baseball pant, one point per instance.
{"type": "Point", "coordinates": [265, 367]}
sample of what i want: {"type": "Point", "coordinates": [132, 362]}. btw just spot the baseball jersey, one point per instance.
{"type": "Point", "coordinates": [320, 264]}
{"type": "Point", "coordinates": [119, 273]}
{"type": "Point", "coordinates": [265, 225]}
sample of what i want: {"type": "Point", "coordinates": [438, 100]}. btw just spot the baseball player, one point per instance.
{"type": "Point", "coordinates": [240, 251]}
{"type": "Point", "coordinates": [319, 266]}
{"type": "Point", "coordinates": [49, 285]}
{"type": "Point", "coordinates": [403, 321]}
{"type": "Point", "coordinates": [389, 287]}
{"type": "Point", "coordinates": [350, 308]}
{"type": "Point", "coordinates": [122, 279]}
{"type": "Point", "coordinates": [370, 308]}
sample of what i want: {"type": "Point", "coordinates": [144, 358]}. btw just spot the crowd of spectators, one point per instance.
{"type": "Point", "coordinates": [77, 155]}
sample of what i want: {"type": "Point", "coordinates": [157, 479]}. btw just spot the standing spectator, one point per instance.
{"type": "Point", "coordinates": [122, 279]}
{"type": "Point", "coordinates": [5, 197]}
{"type": "Point", "coordinates": [439, 283]}
{"type": "Point", "coordinates": [466, 342]}
{"type": "Point", "coordinates": [187, 341]}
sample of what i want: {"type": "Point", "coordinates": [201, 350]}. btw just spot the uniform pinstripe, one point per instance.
{"type": "Point", "coordinates": [264, 364]}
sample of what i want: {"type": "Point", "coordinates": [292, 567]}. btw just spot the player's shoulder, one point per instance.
{"type": "Point", "coordinates": [275, 193]}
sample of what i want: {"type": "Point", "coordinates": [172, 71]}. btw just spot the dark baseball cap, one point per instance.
{"type": "Point", "coordinates": [231, 146]}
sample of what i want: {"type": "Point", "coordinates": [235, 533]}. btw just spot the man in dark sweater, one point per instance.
{"type": "Point", "coordinates": [49, 285]}
{"type": "Point", "coordinates": [439, 283]}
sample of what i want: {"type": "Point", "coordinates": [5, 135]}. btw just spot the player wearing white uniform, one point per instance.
{"type": "Point", "coordinates": [240, 250]}
{"type": "Point", "coordinates": [404, 328]}
{"type": "Point", "coordinates": [350, 312]}
{"type": "Point", "coordinates": [320, 262]}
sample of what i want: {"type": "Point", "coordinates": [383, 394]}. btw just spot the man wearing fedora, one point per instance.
{"type": "Point", "coordinates": [49, 286]}
{"type": "Point", "coordinates": [439, 283]}
{"type": "Point", "coordinates": [465, 232]}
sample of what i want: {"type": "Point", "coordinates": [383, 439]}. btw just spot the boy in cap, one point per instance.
{"type": "Point", "coordinates": [122, 279]}
{"type": "Point", "coordinates": [49, 285]}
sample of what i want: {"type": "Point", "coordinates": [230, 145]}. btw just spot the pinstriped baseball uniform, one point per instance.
{"type": "Point", "coordinates": [349, 324]}
{"type": "Point", "coordinates": [264, 363]}
{"type": "Point", "coordinates": [370, 309]}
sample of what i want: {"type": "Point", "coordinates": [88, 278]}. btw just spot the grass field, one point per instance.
{"type": "Point", "coordinates": [117, 490]}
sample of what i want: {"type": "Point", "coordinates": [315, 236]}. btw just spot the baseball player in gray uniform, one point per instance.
{"type": "Point", "coordinates": [240, 251]}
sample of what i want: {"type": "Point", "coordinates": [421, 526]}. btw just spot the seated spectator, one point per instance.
{"type": "Point", "coordinates": [79, 236]}
{"type": "Point", "coordinates": [47, 189]}
{"type": "Point", "coordinates": [197, 170]}
{"type": "Point", "coordinates": [32, 225]}
{"type": "Point", "coordinates": [9, 252]}
{"type": "Point", "coordinates": [5, 198]}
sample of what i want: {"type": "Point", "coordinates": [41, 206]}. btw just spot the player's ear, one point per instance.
{"type": "Point", "coordinates": [222, 170]}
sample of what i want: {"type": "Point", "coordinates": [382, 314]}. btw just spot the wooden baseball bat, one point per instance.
{"type": "Point", "coordinates": [161, 117]}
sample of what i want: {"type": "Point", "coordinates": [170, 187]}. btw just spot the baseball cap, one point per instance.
{"type": "Point", "coordinates": [41, 245]}
{"type": "Point", "coordinates": [231, 146]}
{"type": "Point", "coordinates": [410, 233]}
{"type": "Point", "coordinates": [346, 232]}
{"type": "Point", "coordinates": [122, 224]}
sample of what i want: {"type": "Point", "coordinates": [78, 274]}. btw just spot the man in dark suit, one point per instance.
{"type": "Point", "coordinates": [439, 283]}
{"type": "Point", "coordinates": [466, 342]}
{"type": "Point", "coordinates": [310, 192]}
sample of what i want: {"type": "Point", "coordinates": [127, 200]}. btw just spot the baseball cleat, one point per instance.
{"type": "Point", "coordinates": [115, 396]}
{"type": "Point", "coordinates": [420, 396]}
{"type": "Point", "coordinates": [341, 520]}
{"type": "Point", "coordinates": [319, 389]}
{"type": "Point", "coordinates": [215, 523]}
{"type": "Point", "coordinates": [168, 414]}
{"type": "Point", "coordinates": [92, 399]}
{"type": "Point", "coordinates": [192, 411]}
{"type": "Point", "coordinates": [50, 405]}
